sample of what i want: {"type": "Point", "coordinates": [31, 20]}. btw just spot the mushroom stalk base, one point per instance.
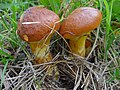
{"type": "Point", "coordinates": [77, 45]}
{"type": "Point", "coordinates": [41, 50]}
{"type": "Point", "coordinates": [42, 54]}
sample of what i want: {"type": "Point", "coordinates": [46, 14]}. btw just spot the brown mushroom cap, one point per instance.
{"type": "Point", "coordinates": [36, 23]}
{"type": "Point", "coordinates": [80, 21]}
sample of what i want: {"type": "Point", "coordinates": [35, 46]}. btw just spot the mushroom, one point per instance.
{"type": "Point", "coordinates": [77, 27]}
{"type": "Point", "coordinates": [36, 26]}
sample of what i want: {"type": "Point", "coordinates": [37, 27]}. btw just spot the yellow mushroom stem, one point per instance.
{"type": "Point", "coordinates": [41, 51]}
{"type": "Point", "coordinates": [78, 45]}
{"type": "Point", "coordinates": [42, 54]}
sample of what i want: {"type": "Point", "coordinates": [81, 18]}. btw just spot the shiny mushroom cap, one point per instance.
{"type": "Point", "coordinates": [36, 23]}
{"type": "Point", "coordinates": [80, 21]}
